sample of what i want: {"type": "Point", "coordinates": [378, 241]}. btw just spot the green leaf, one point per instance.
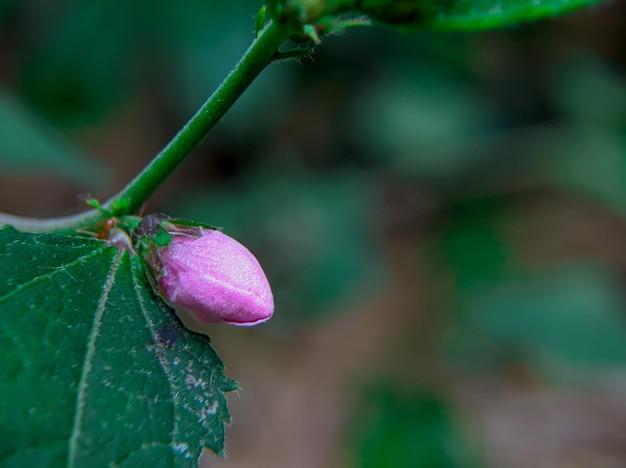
{"type": "Point", "coordinates": [439, 14]}
{"type": "Point", "coordinates": [464, 14]}
{"type": "Point", "coordinates": [96, 370]}
{"type": "Point", "coordinates": [27, 144]}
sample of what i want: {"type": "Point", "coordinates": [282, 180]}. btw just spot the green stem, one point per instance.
{"type": "Point", "coordinates": [136, 193]}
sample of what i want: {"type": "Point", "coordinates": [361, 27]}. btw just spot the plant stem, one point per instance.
{"type": "Point", "coordinates": [136, 193]}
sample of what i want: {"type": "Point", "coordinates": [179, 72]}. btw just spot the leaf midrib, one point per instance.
{"type": "Point", "coordinates": [87, 363]}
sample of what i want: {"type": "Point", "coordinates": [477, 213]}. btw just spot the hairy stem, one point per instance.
{"type": "Point", "coordinates": [136, 193]}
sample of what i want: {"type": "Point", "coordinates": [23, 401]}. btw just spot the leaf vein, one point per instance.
{"type": "Point", "coordinates": [56, 271]}
{"type": "Point", "coordinates": [91, 347]}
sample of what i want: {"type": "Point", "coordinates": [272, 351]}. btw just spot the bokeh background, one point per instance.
{"type": "Point", "coordinates": [441, 216]}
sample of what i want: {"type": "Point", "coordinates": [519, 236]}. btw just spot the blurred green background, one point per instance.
{"type": "Point", "coordinates": [441, 216]}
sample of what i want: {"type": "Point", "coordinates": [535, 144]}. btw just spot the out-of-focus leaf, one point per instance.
{"type": "Point", "coordinates": [6, 8]}
{"type": "Point", "coordinates": [27, 145]}
{"type": "Point", "coordinates": [313, 235]}
{"type": "Point", "coordinates": [97, 371]}
{"type": "Point", "coordinates": [590, 159]}
{"type": "Point", "coordinates": [475, 245]}
{"type": "Point", "coordinates": [83, 63]}
{"type": "Point", "coordinates": [587, 152]}
{"type": "Point", "coordinates": [93, 54]}
{"type": "Point", "coordinates": [202, 41]}
{"type": "Point", "coordinates": [408, 428]}
{"type": "Point", "coordinates": [588, 92]}
{"type": "Point", "coordinates": [571, 316]}
{"type": "Point", "coordinates": [422, 126]}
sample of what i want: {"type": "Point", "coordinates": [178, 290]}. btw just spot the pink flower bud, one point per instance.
{"type": "Point", "coordinates": [212, 278]}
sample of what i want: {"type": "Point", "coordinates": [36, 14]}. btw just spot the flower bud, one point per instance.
{"type": "Point", "coordinates": [209, 276]}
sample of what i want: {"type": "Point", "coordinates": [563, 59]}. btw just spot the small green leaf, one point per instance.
{"type": "Point", "coordinates": [260, 19]}
{"type": "Point", "coordinates": [96, 370]}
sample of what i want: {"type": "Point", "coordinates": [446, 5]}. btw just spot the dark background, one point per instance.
{"type": "Point", "coordinates": [441, 216]}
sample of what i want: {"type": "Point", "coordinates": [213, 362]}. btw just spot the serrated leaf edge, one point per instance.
{"type": "Point", "coordinates": [175, 430]}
